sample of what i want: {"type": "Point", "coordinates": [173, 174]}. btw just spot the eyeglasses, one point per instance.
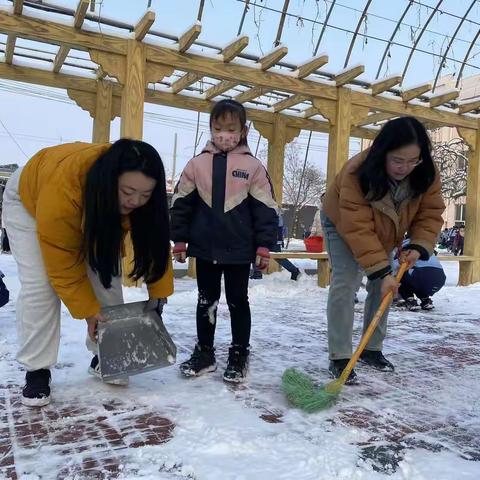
{"type": "Point", "coordinates": [401, 163]}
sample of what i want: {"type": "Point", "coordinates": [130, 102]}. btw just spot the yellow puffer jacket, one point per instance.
{"type": "Point", "coordinates": [52, 186]}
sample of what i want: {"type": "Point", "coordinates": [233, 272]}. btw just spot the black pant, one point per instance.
{"type": "Point", "coordinates": [209, 278]}
{"type": "Point", "coordinates": [422, 282]}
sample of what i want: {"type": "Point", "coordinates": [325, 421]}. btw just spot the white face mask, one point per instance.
{"type": "Point", "coordinates": [226, 141]}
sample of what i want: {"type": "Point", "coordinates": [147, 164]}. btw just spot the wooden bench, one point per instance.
{"type": "Point", "coordinates": [323, 266]}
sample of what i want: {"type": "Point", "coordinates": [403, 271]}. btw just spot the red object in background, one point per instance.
{"type": "Point", "coordinates": [314, 244]}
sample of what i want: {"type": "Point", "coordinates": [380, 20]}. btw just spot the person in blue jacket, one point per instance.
{"type": "Point", "coordinates": [423, 280]}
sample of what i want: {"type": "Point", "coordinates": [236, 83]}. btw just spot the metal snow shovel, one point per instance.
{"type": "Point", "coordinates": [133, 341]}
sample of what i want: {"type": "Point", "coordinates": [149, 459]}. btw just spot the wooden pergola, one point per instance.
{"type": "Point", "coordinates": [135, 68]}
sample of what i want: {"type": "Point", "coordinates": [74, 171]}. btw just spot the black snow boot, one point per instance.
{"type": "Point", "coordinates": [201, 361]}
{"type": "Point", "coordinates": [36, 392]}
{"type": "Point", "coordinates": [295, 275]}
{"type": "Point", "coordinates": [412, 304]}
{"type": "Point", "coordinates": [336, 368]}
{"type": "Point", "coordinates": [376, 360]}
{"type": "Point", "coordinates": [426, 303]}
{"type": "Point", "coordinates": [237, 366]}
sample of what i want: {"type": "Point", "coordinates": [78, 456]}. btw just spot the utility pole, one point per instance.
{"type": "Point", "coordinates": [174, 161]}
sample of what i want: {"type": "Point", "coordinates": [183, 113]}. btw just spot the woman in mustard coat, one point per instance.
{"type": "Point", "coordinates": [66, 213]}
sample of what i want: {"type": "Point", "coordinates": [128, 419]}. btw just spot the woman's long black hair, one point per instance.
{"type": "Point", "coordinates": [398, 133]}
{"type": "Point", "coordinates": [103, 233]}
{"type": "Point", "coordinates": [235, 109]}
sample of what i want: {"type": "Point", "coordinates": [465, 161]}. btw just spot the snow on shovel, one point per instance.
{"type": "Point", "coordinates": [133, 341]}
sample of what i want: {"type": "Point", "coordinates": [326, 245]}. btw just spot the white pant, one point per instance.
{"type": "Point", "coordinates": [38, 305]}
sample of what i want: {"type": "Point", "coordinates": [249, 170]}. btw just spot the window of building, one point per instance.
{"type": "Point", "coordinates": [460, 212]}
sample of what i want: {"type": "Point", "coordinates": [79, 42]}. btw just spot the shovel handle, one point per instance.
{"type": "Point", "coordinates": [371, 328]}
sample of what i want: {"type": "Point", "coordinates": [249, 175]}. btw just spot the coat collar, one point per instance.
{"type": "Point", "coordinates": [210, 147]}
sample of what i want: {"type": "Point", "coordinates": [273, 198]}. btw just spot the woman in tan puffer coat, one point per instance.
{"type": "Point", "coordinates": [379, 195]}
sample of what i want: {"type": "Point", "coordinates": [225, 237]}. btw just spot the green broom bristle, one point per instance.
{"type": "Point", "coordinates": [302, 393]}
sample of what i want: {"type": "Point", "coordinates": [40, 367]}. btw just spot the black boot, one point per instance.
{"type": "Point", "coordinates": [426, 303]}
{"type": "Point", "coordinates": [201, 361]}
{"type": "Point", "coordinates": [36, 392]}
{"type": "Point", "coordinates": [376, 360]}
{"type": "Point", "coordinates": [237, 367]}
{"type": "Point", "coordinates": [295, 275]}
{"type": "Point", "coordinates": [412, 304]}
{"type": "Point", "coordinates": [336, 368]}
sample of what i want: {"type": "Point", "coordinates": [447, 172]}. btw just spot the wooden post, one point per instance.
{"type": "Point", "coordinates": [103, 112]}
{"type": "Point", "coordinates": [339, 134]}
{"type": "Point", "coordinates": [133, 95]}
{"type": "Point", "coordinates": [470, 271]}
{"type": "Point", "coordinates": [276, 155]}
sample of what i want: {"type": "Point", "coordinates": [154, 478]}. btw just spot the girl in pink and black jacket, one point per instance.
{"type": "Point", "coordinates": [224, 214]}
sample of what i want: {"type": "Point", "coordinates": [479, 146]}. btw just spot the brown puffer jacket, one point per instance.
{"type": "Point", "coordinates": [373, 229]}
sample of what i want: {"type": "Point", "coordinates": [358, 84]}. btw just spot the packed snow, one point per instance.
{"type": "Point", "coordinates": [420, 423]}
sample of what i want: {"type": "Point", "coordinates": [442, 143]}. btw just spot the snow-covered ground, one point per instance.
{"type": "Point", "coordinates": [422, 422]}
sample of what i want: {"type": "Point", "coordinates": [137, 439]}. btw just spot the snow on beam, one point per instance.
{"type": "Point", "coordinates": [187, 39]}
{"type": "Point", "coordinates": [376, 117]}
{"type": "Point", "coordinates": [144, 25]}
{"type": "Point", "coordinates": [288, 102]}
{"type": "Point", "coordinates": [385, 84]}
{"type": "Point", "coordinates": [347, 75]}
{"type": "Point", "coordinates": [229, 53]}
{"type": "Point", "coordinates": [79, 18]}
{"type": "Point", "coordinates": [264, 63]}
{"type": "Point", "coordinates": [273, 57]}
{"type": "Point", "coordinates": [310, 112]}
{"type": "Point", "coordinates": [219, 88]}
{"type": "Point", "coordinates": [308, 67]}
{"type": "Point", "coordinates": [470, 106]}
{"type": "Point", "coordinates": [251, 94]}
{"type": "Point", "coordinates": [414, 92]}
{"type": "Point", "coordinates": [445, 97]}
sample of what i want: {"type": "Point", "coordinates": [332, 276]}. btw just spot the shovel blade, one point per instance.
{"type": "Point", "coordinates": [133, 341]}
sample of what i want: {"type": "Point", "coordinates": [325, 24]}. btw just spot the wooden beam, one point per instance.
{"type": "Point", "coordinates": [143, 26]}
{"type": "Point", "coordinates": [185, 81]}
{"type": "Point", "coordinates": [440, 99]}
{"type": "Point", "coordinates": [465, 107]}
{"type": "Point", "coordinates": [187, 39]}
{"type": "Point", "coordinates": [310, 112]}
{"type": "Point", "coordinates": [233, 49]}
{"type": "Point", "coordinates": [12, 39]}
{"type": "Point", "coordinates": [221, 87]}
{"type": "Point", "coordinates": [348, 75]}
{"type": "Point", "coordinates": [273, 57]}
{"type": "Point", "coordinates": [40, 30]}
{"type": "Point", "coordinates": [265, 63]}
{"type": "Point", "coordinates": [133, 95]}
{"type": "Point", "coordinates": [250, 94]}
{"type": "Point", "coordinates": [60, 80]}
{"type": "Point", "coordinates": [383, 104]}
{"type": "Point", "coordinates": [310, 66]}
{"type": "Point", "coordinates": [80, 13]}
{"type": "Point", "coordinates": [411, 93]}
{"type": "Point", "coordinates": [17, 7]}
{"type": "Point", "coordinates": [229, 53]}
{"type": "Point", "coordinates": [103, 112]}
{"type": "Point", "coordinates": [288, 102]}
{"type": "Point", "coordinates": [385, 84]}
{"type": "Point", "coordinates": [375, 117]}
{"type": "Point", "coordinates": [10, 49]}
{"type": "Point", "coordinates": [339, 135]}
{"type": "Point", "coordinates": [470, 271]}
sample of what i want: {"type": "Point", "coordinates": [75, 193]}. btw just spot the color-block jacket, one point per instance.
{"type": "Point", "coordinates": [373, 229]}
{"type": "Point", "coordinates": [51, 188]}
{"type": "Point", "coordinates": [224, 207]}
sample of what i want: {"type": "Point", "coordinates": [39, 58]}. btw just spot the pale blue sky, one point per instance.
{"type": "Point", "coordinates": [36, 122]}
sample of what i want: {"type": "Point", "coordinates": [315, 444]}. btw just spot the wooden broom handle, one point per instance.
{"type": "Point", "coordinates": [371, 328]}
